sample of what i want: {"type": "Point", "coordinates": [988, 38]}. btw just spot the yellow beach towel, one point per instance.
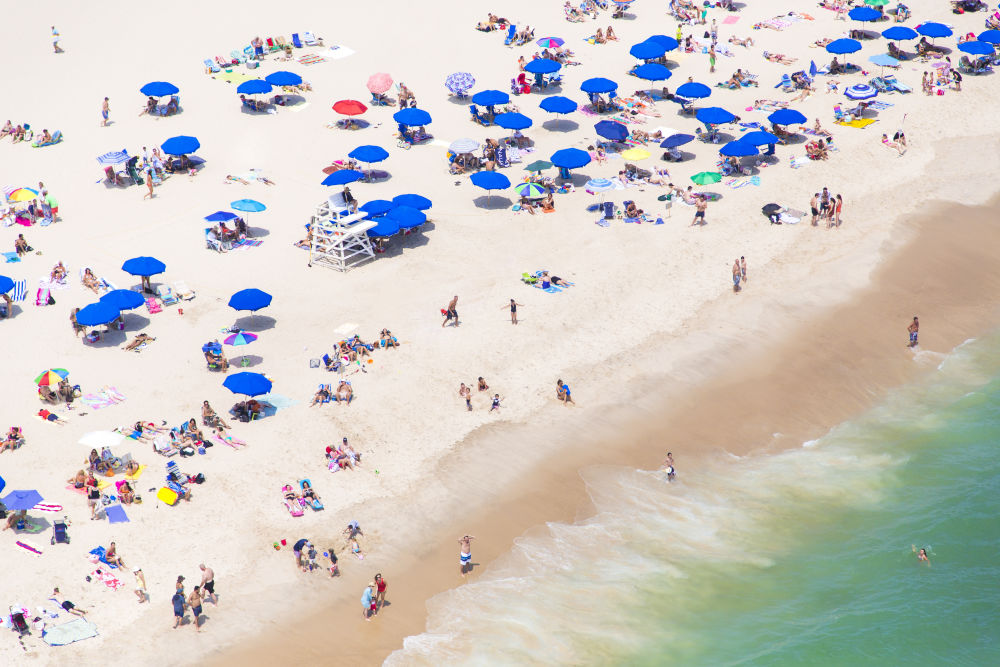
{"type": "Point", "coordinates": [860, 122]}
{"type": "Point", "coordinates": [136, 475]}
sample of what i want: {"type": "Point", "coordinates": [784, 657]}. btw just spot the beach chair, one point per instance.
{"type": "Point", "coordinates": [838, 113]}
{"type": "Point", "coordinates": [237, 56]}
{"type": "Point", "coordinates": [166, 295]}
{"type": "Point", "coordinates": [294, 507]}
{"type": "Point", "coordinates": [329, 393]}
{"type": "Point", "coordinates": [163, 446]}
{"type": "Point", "coordinates": [296, 42]}
{"type": "Point", "coordinates": [474, 110]}
{"type": "Point", "coordinates": [153, 306]}
{"type": "Point", "coordinates": [182, 291]}
{"type": "Point", "coordinates": [878, 84]}
{"type": "Point", "coordinates": [894, 84]}
{"type": "Point", "coordinates": [528, 279]}
{"type": "Point", "coordinates": [511, 32]}
{"type": "Point", "coordinates": [224, 63]}
{"type": "Point", "coordinates": [280, 42]}
{"type": "Point", "coordinates": [42, 296]}
{"type": "Point", "coordinates": [314, 503]}
{"type": "Point", "coordinates": [310, 39]}
{"type": "Point", "coordinates": [211, 67]}
{"type": "Point", "coordinates": [786, 83]}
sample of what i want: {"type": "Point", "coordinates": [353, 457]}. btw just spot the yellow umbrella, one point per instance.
{"type": "Point", "coordinates": [22, 194]}
{"type": "Point", "coordinates": [635, 154]}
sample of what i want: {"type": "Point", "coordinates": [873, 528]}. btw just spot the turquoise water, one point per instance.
{"type": "Point", "coordinates": [800, 557]}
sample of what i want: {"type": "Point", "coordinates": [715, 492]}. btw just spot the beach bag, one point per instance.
{"type": "Point", "coordinates": [199, 478]}
{"type": "Point", "coordinates": [51, 301]}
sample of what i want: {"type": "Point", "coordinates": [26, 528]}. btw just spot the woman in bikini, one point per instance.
{"type": "Point", "coordinates": [90, 281]}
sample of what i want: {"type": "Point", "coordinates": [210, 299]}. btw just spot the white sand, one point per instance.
{"type": "Point", "coordinates": [639, 284]}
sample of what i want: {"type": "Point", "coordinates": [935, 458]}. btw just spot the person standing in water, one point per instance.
{"type": "Point", "coordinates": [914, 331]}
{"type": "Point", "coordinates": [921, 554]}
{"type": "Point", "coordinates": [465, 554]}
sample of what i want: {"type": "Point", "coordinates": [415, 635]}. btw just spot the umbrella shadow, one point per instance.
{"type": "Point", "coordinates": [41, 525]}
{"type": "Point", "coordinates": [255, 322]}
{"type": "Point", "coordinates": [560, 125]}
{"type": "Point", "coordinates": [376, 175]}
{"type": "Point", "coordinates": [711, 194]}
{"type": "Point", "coordinates": [257, 232]}
{"type": "Point", "coordinates": [254, 112]}
{"type": "Point", "coordinates": [577, 180]}
{"type": "Point", "coordinates": [135, 321]}
{"type": "Point", "coordinates": [237, 360]}
{"type": "Point", "coordinates": [14, 310]}
{"type": "Point", "coordinates": [460, 101]}
{"type": "Point", "coordinates": [358, 124]}
{"type": "Point", "coordinates": [494, 203]}
{"type": "Point", "coordinates": [796, 138]}
{"type": "Point", "coordinates": [685, 155]}
{"type": "Point", "coordinates": [293, 100]}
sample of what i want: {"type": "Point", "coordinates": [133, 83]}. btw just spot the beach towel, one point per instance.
{"type": "Point", "coordinates": [798, 162]}
{"type": "Point", "coordinates": [66, 633]}
{"type": "Point", "coordinates": [311, 59]}
{"type": "Point", "coordinates": [44, 507]}
{"type": "Point", "coordinates": [116, 514]}
{"type": "Point", "coordinates": [29, 547]}
{"type": "Point", "coordinates": [729, 20]}
{"type": "Point", "coordinates": [879, 105]}
{"type": "Point", "coordinates": [108, 579]}
{"type": "Point", "coordinates": [232, 77]}
{"type": "Point", "coordinates": [860, 122]}
{"type": "Point", "coordinates": [11, 257]}
{"type": "Point", "coordinates": [98, 552]}
{"type": "Point", "coordinates": [20, 291]}
{"type": "Point", "coordinates": [134, 476]}
{"type": "Point", "coordinates": [338, 51]}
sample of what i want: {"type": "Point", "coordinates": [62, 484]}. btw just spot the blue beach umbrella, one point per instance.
{"type": "Point", "coordinates": [407, 217]}
{"type": "Point", "coordinates": [898, 32]}
{"type": "Point", "coordinates": [159, 89]}
{"type": "Point", "coordinates": [934, 30]}
{"type": "Point", "coordinates": [412, 117]}
{"type": "Point", "coordinates": [760, 138]}
{"type": "Point", "coordinates": [489, 98]}
{"type": "Point", "coordinates": [598, 85]}
{"type": "Point", "coordinates": [6, 284]}
{"type": "Point", "coordinates": [143, 266]}
{"type": "Point", "coordinates": [738, 149]}
{"type": "Point", "coordinates": [123, 299]}
{"type": "Point", "coordinates": [647, 50]}
{"type": "Point", "coordinates": [990, 36]}
{"type": "Point", "coordinates": [860, 91]}
{"type": "Point", "coordinates": [248, 384]}
{"type": "Point", "coordinates": [977, 48]}
{"type": "Point", "coordinates": [530, 190]}
{"type": "Point", "coordinates": [283, 78]}
{"type": "Point", "coordinates": [377, 207]}
{"type": "Point", "coordinates": [864, 14]}
{"type": "Point", "coordinates": [612, 130]}
{"type": "Point", "coordinates": [459, 82]}
{"type": "Point", "coordinates": [490, 180]}
{"type": "Point", "coordinates": [413, 201]}
{"type": "Point", "coordinates": [787, 117]}
{"type": "Point", "coordinates": [98, 313]}
{"type": "Point", "coordinates": [248, 206]}
{"type": "Point", "coordinates": [343, 177]}
{"type": "Point", "coordinates": [714, 116]}
{"type": "Point", "coordinates": [180, 145]}
{"type": "Point", "coordinates": [512, 121]}
{"type": "Point", "coordinates": [693, 90]}
{"type": "Point", "coordinates": [570, 158]}
{"type": "Point", "coordinates": [383, 228]}
{"type": "Point", "coordinates": [557, 104]}
{"type": "Point", "coordinates": [221, 216]}
{"type": "Point", "coordinates": [251, 299]}
{"type": "Point", "coordinates": [675, 140]}
{"type": "Point", "coordinates": [668, 43]}
{"type": "Point", "coordinates": [652, 72]}
{"type": "Point", "coordinates": [368, 154]}
{"type": "Point", "coordinates": [22, 500]}
{"type": "Point", "coordinates": [253, 87]}
{"type": "Point", "coordinates": [542, 66]}
{"type": "Point", "coordinates": [843, 45]}
{"type": "Point", "coordinates": [599, 185]}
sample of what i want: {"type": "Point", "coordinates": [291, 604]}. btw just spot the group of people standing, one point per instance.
{"type": "Point", "coordinates": [825, 206]}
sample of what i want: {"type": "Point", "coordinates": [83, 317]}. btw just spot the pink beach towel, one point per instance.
{"type": "Point", "coordinates": [729, 20]}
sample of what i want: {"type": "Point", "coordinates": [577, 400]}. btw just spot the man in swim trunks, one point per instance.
{"type": "Point", "coordinates": [914, 331]}
{"type": "Point", "coordinates": [178, 601]}
{"type": "Point", "coordinates": [701, 203]}
{"type": "Point", "coordinates": [814, 207]}
{"type": "Point", "coordinates": [208, 583]}
{"type": "Point", "coordinates": [465, 554]}
{"type": "Point", "coordinates": [105, 112]}
{"type": "Point", "coordinates": [69, 607]}
{"type": "Point", "coordinates": [451, 312]}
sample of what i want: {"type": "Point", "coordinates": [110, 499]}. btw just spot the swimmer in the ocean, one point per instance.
{"type": "Point", "coordinates": [668, 466]}
{"type": "Point", "coordinates": [921, 555]}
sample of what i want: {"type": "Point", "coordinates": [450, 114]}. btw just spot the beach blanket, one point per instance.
{"type": "Point", "coordinates": [798, 162]}
{"type": "Point", "coordinates": [859, 122]}
{"type": "Point", "coordinates": [108, 579]}
{"type": "Point", "coordinates": [232, 77]}
{"type": "Point", "coordinates": [133, 477]}
{"type": "Point", "coordinates": [246, 243]}
{"type": "Point", "coordinates": [20, 291]}
{"type": "Point", "coordinates": [311, 59]}
{"type": "Point", "coordinates": [99, 553]}
{"type": "Point", "coordinates": [66, 633]}
{"type": "Point", "coordinates": [116, 514]}
{"type": "Point", "coordinates": [338, 51]}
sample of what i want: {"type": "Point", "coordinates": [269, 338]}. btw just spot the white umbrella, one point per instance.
{"type": "Point", "coordinates": [99, 439]}
{"type": "Point", "coordinates": [460, 146]}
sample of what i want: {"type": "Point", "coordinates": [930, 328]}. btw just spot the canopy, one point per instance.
{"type": "Point", "coordinates": [489, 98]}
{"type": "Point", "coordinates": [787, 117]}
{"type": "Point", "coordinates": [123, 299]}
{"type": "Point", "coordinates": [407, 217]}
{"type": "Point", "coordinates": [384, 227]}
{"type": "Point", "coordinates": [864, 14]}
{"type": "Point", "coordinates": [159, 89]}
{"type": "Point", "coordinates": [542, 66]}
{"type": "Point", "coordinates": [101, 439]}
{"type": "Point", "coordinates": [22, 500]}
{"type": "Point", "coordinates": [652, 72]}
{"type": "Point", "coordinates": [706, 177]}
{"type": "Point", "coordinates": [248, 206]}
{"type": "Point", "coordinates": [114, 157]}
{"type": "Point", "coordinates": [693, 90]}
{"type": "Point", "coordinates": [248, 384]}
{"type": "Point", "coordinates": [550, 42]}
{"type": "Point", "coordinates": [343, 177]}
{"type": "Point", "coordinates": [251, 299]}
{"type": "Point", "coordinates": [599, 185]}
{"type": "Point", "coordinates": [991, 36]}
{"type": "Point", "coordinates": [883, 60]}
{"type": "Point", "coordinates": [714, 116]}
{"type": "Point", "coordinates": [97, 313]}
{"type": "Point", "coordinates": [538, 165]}
{"type": "Point", "coordinates": [377, 207]}
{"type": "Point", "coordinates": [283, 78]}
{"type": "Point", "coordinates": [932, 30]}
{"type": "Point", "coordinates": [412, 117]}
{"type": "Point", "coordinates": [738, 149]}
{"type": "Point", "coordinates": [349, 107]}
{"type": "Point", "coordinates": [976, 48]}
{"type": "Point", "coordinates": [530, 190]}
{"type": "Point", "coordinates": [143, 266]}
{"type": "Point", "coordinates": [465, 145]}
{"type": "Point", "coordinates": [6, 284]}
{"type": "Point", "coordinates": [668, 43]}
{"type": "Point", "coordinates": [512, 121]}
{"type": "Point", "coordinates": [220, 216]}
{"type": "Point", "coordinates": [459, 82]}
{"type": "Point", "coordinates": [675, 140]}
{"type": "Point", "coordinates": [901, 32]}
{"type": "Point", "coordinates": [240, 338]}
{"type": "Point", "coordinates": [253, 87]}
{"type": "Point", "coordinates": [843, 45]}
{"type": "Point", "coordinates": [598, 85]}
{"type": "Point", "coordinates": [181, 145]}
{"type": "Point", "coordinates": [413, 201]}
{"type": "Point", "coordinates": [610, 129]}
{"type": "Point", "coordinates": [368, 154]}
{"type": "Point", "coordinates": [379, 83]}
{"type": "Point", "coordinates": [570, 158]}
{"type": "Point", "coordinates": [860, 91]}
{"type": "Point", "coordinates": [490, 180]}
{"type": "Point", "coordinates": [557, 104]}
{"type": "Point", "coordinates": [51, 377]}
{"type": "Point", "coordinates": [760, 138]}
{"type": "Point", "coordinates": [647, 50]}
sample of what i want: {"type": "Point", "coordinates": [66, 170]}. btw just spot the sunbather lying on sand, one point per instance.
{"type": "Point", "coordinates": [779, 58]}
{"type": "Point", "coordinates": [742, 42]}
{"type": "Point", "coordinates": [139, 341]}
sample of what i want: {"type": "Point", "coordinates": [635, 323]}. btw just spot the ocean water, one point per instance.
{"type": "Point", "coordinates": [797, 558]}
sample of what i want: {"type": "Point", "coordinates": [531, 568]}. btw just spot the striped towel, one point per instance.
{"type": "Point", "coordinates": [42, 507]}
{"type": "Point", "coordinates": [20, 291]}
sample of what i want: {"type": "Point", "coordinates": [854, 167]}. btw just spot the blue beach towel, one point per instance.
{"type": "Point", "coordinates": [116, 514]}
{"type": "Point", "coordinates": [99, 552]}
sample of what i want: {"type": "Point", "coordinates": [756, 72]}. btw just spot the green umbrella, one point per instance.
{"type": "Point", "coordinates": [707, 177]}
{"type": "Point", "coordinates": [538, 165]}
{"type": "Point", "coordinates": [877, 3]}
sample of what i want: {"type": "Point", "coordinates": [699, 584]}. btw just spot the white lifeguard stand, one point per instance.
{"type": "Point", "coordinates": [339, 238]}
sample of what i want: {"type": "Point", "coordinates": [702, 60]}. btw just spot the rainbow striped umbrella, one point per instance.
{"type": "Point", "coordinates": [550, 42]}
{"type": "Point", "coordinates": [241, 338]}
{"type": "Point", "coordinates": [51, 377]}
{"type": "Point", "coordinates": [22, 194]}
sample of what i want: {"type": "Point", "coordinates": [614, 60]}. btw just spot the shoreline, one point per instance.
{"type": "Point", "coordinates": [792, 371]}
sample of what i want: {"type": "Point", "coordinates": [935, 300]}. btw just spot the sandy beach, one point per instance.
{"type": "Point", "coordinates": [651, 337]}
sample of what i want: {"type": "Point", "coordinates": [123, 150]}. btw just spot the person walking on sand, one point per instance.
{"type": "Point", "coordinates": [736, 276]}
{"type": "Point", "coordinates": [711, 58]}
{"type": "Point", "coordinates": [914, 331]}
{"type": "Point", "coordinates": [178, 602]}
{"type": "Point", "coordinates": [105, 112]}
{"type": "Point", "coordinates": [513, 310]}
{"type": "Point", "coordinates": [743, 268]}
{"type": "Point", "coordinates": [465, 554]}
{"type": "Point", "coordinates": [194, 601]}
{"type": "Point", "coordinates": [55, 40]}
{"type": "Point", "coordinates": [140, 585]}
{"type": "Point", "coordinates": [149, 184]}
{"type": "Point", "coordinates": [451, 312]}
{"type": "Point", "coordinates": [366, 603]}
{"type": "Point", "coordinates": [466, 393]}
{"type": "Point", "coordinates": [701, 204]}
{"type": "Point", "coordinates": [837, 208]}
{"type": "Point", "coordinates": [208, 583]}
{"type": "Point", "coordinates": [380, 588]}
